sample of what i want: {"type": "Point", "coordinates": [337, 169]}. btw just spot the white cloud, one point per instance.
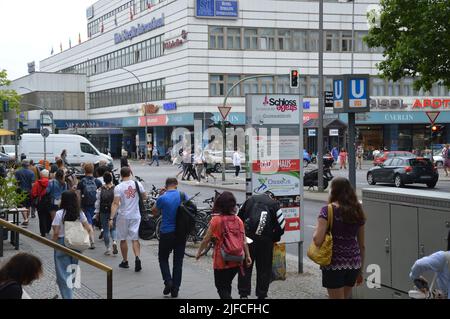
{"type": "Point", "coordinates": [30, 28]}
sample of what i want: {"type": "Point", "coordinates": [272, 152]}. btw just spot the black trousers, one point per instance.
{"type": "Point", "coordinates": [261, 252]}
{"type": "Point", "coordinates": [223, 279]}
{"type": "Point", "coordinates": [237, 170]}
{"type": "Point", "coordinates": [45, 220]}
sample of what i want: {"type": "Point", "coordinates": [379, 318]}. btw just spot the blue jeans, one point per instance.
{"type": "Point", "coordinates": [167, 243]}
{"type": "Point", "coordinates": [62, 261]}
{"type": "Point", "coordinates": [104, 219]}
{"type": "Point", "coordinates": [155, 158]}
{"type": "Point", "coordinates": [89, 212]}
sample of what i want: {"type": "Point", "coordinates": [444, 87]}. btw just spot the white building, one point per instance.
{"type": "Point", "coordinates": [185, 55]}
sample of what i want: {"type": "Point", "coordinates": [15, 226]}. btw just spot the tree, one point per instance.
{"type": "Point", "coordinates": [7, 95]}
{"type": "Point", "coordinates": [415, 35]}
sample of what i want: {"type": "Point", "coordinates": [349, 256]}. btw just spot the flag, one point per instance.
{"type": "Point", "coordinates": [52, 51]}
{"type": "Point", "coordinates": [79, 38]}
{"type": "Point", "coordinates": [60, 46]}
{"type": "Point", "coordinates": [70, 43]}
{"type": "Point", "coordinates": [131, 13]}
{"type": "Point", "coordinates": [103, 27]}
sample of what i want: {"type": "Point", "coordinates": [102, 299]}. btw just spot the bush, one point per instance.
{"type": "Point", "coordinates": [9, 197]}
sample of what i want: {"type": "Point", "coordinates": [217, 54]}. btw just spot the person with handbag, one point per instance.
{"type": "Point", "coordinates": [128, 197]}
{"type": "Point", "coordinates": [71, 215]}
{"type": "Point", "coordinates": [340, 228]}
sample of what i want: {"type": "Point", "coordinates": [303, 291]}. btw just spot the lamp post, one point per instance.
{"type": "Point", "coordinates": [144, 100]}
{"type": "Point", "coordinates": [321, 103]}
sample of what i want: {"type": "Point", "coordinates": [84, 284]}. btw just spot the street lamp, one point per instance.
{"type": "Point", "coordinates": [144, 100]}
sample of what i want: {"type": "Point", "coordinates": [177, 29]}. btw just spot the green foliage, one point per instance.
{"type": "Point", "coordinates": [9, 95]}
{"type": "Point", "coordinates": [9, 197]}
{"type": "Point", "coordinates": [415, 35]}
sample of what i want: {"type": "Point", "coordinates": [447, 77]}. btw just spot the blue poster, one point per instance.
{"type": "Point", "coordinates": [227, 8]}
{"type": "Point", "coordinates": [205, 8]}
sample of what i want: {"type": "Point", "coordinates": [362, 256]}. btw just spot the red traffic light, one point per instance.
{"type": "Point", "coordinates": [434, 128]}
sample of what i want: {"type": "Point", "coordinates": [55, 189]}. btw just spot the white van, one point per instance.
{"type": "Point", "coordinates": [79, 149]}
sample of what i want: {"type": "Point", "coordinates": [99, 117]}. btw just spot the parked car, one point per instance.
{"type": "Point", "coordinates": [404, 170]}
{"type": "Point", "coordinates": [9, 150]}
{"type": "Point", "coordinates": [216, 158]}
{"type": "Point", "coordinates": [437, 158]}
{"type": "Point", "coordinates": [5, 159]}
{"type": "Point", "coordinates": [383, 156]}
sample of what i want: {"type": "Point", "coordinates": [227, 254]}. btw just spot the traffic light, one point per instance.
{"type": "Point", "coordinates": [295, 81]}
{"type": "Point", "coordinates": [434, 128]}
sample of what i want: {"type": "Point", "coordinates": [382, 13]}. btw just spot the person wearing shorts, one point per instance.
{"type": "Point", "coordinates": [126, 206]}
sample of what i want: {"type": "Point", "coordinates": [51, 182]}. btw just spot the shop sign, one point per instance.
{"type": "Point", "coordinates": [334, 132]}
{"type": "Point", "coordinates": [177, 42]}
{"type": "Point", "coordinates": [275, 109]}
{"type": "Point", "coordinates": [311, 132]}
{"type": "Point", "coordinates": [156, 120]}
{"type": "Point", "coordinates": [170, 106]}
{"type": "Point", "coordinates": [224, 9]}
{"type": "Point", "coordinates": [410, 104]}
{"type": "Point", "coordinates": [139, 30]}
{"type": "Point", "coordinates": [150, 109]}
{"type": "Point", "coordinates": [436, 104]}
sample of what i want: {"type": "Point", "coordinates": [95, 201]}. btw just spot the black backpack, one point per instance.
{"type": "Point", "coordinates": [258, 219]}
{"type": "Point", "coordinates": [88, 192]}
{"type": "Point", "coordinates": [106, 200]}
{"type": "Point", "coordinates": [147, 228]}
{"type": "Point", "coordinates": [185, 219]}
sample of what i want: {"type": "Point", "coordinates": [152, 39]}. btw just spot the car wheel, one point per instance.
{"type": "Point", "coordinates": [218, 168]}
{"type": "Point", "coordinates": [431, 184]}
{"type": "Point", "coordinates": [398, 181]}
{"type": "Point", "coordinates": [370, 179]}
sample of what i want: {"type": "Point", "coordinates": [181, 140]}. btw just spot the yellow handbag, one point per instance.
{"type": "Point", "coordinates": [322, 255]}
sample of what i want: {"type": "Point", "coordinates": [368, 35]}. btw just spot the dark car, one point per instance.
{"type": "Point", "coordinates": [5, 158]}
{"type": "Point", "coordinates": [404, 170]}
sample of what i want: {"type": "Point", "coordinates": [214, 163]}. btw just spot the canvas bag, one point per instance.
{"type": "Point", "coordinates": [75, 236]}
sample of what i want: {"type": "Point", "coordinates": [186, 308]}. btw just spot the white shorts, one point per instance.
{"type": "Point", "coordinates": [127, 229]}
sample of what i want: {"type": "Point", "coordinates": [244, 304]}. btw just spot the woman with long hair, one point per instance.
{"type": "Point", "coordinates": [224, 271]}
{"type": "Point", "coordinates": [55, 189]}
{"type": "Point", "coordinates": [347, 230]}
{"type": "Point", "coordinates": [20, 270]}
{"type": "Point", "coordinates": [70, 211]}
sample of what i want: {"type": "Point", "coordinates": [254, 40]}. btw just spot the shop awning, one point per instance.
{"type": "Point", "coordinates": [4, 132]}
{"type": "Point", "coordinates": [327, 123]}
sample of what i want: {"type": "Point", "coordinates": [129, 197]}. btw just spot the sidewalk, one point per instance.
{"type": "Point", "coordinates": [198, 279]}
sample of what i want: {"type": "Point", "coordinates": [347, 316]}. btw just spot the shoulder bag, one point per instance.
{"type": "Point", "coordinates": [322, 255]}
{"type": "Point", "coordinates": [75, 236]}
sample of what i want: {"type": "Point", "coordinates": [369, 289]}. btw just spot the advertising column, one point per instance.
{"type": "Point", "coordinates": [274, 156]}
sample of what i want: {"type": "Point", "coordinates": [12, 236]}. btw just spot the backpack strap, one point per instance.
{"type": "Point", "coordinates": [330, 217]}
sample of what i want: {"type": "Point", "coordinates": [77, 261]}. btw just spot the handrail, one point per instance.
{"type": "Point", "coordinates": [70, 252]}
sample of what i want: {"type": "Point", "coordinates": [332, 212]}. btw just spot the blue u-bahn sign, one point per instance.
{"type": "Point", "coordinates": [351, 93]}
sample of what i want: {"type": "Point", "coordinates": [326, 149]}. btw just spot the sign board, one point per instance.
{"type": "Point", "coordinates": [150, 109]}
{"type": "Point", "coordinates": [45, 132]}
{"type": "Point", "coordinates": [140, 29]}
{"type": "Point", "coordinates": [311, 132]}
{"type": "Point", "coordinates": [351, 93]}
{"type": "Point", "coordinates": [224, 111]}
{"type": "Point", "coordinates": [276, 122]}
{"type": "Point", "coordinates": [433, 116]}
{"type": "Point", "coordinates": [329, 102]}
{"type": "Point", "coordinates": [170, 106]}
{"type": "Point", "coordinates": [31, 67]}
{"type": "Point", "coordinates": [90, 12]}
{"type": "Point", "coordinates": [219, 9]}
{"type": "Point", "coordinates": [334, 132]}
{"type": "Point", "coordinates": [46, 118]}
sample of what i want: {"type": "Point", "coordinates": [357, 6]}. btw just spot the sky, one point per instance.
{"type": "Point", "coordinates": [31, 28]}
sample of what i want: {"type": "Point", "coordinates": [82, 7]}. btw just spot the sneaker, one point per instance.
{"type": "Point", "coordinates": [137, 265]}
{"type": "Point", "coordinates": [167, 288]}
{"type": "Point", "coordinates": [115, 250]}
{"type": "Point", "coordinates": [124, 264]}
{"type": "Point", "coordinates": [174, 292]}
{"type": "Point", "coordinates": [108, 252]}
{"type": "Point", "coordinates": [101, 235]}
{"type": "Point", "coordinates": [92, 246]}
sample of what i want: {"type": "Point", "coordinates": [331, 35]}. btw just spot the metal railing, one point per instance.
{"type": "Point", "coordinates": [71, 253]}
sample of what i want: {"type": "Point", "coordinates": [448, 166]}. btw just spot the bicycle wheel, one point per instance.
{"type": "Point", "coordinates": [158, 227]}
{"type": "Point", "coordinates": [195, 238]}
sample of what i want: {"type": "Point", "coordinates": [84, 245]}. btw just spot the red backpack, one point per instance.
{"type": "Point", "coordinates": [232, 249]}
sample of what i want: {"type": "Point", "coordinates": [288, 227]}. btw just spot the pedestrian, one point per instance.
{"type": "Point", "coordinates": [64, 158]}
{"type": "Point", "coordinates": [343, 159]}
{"type": "Point", "coordinates": [199, 160]}
{"type": "Point", "coordinates": [42, 201]}
{"type": "Point", "coordinates": [347, 231]}
{"type": "Point", "coordinates": [21, 270]}
{"type": "Point", "coordinates": [335, 153]}
{"type": "Point", "coordinates": [36, 172]}
{"type": "Point", "coordinates": [54, 167]}
{"type": "Point", "coordinates": [126, 207]}
{"type": "Point", "coordinates": [226, 230]}
{"type": "Point", "coordinates": [70, 211]}
{"type": "Point", "coordinates": [87, 188]}
{"type": "Point", "coordinates": [155, 156]}
{"type": "Point", "coordinates": [168, 203]}
{"type": "Point", "coordinates": [237, 163]}
{"type": "Point", "coordinates": [439, 263]}
{"type": "Point", "coordinates": [264, 224]}
{"type": "Point", "coordinates": [25, 178]}
{"type": "Point", "coordinates": [209, 167]}
{"type": "Point", "coordinates": [446, 158]}
{"type": "Point", "coordinates": [186, 160]}
{"type": "Point", "coordinates": [359, 156]}
{"type": "Point", "coordinates": [55, 189]}
{"type": "Point", "coordinates": [105, 198]}
{"type": "Point", "coordinates": [124, 159]}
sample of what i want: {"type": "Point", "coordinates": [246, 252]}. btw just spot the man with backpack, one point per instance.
{"type": "Point", "coordinates": [88, 193]}
{"type": "Point", "coordinates": [172, 237]}
{"type": "Point", "coordinates": [42, 201]}
{"type": "Point", "coordinates": [264, 225]}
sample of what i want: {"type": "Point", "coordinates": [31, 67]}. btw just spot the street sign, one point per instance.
{"type": "Point", "coordinates": [432, 116]}
{"type": "Point", "coordinates": [351, 93]}
{"type": "Point", "coordinates": [338, 98]}
{"type": "Point", "coordinates": [334, 132]}
{"type": "Point", "coordinates": [329, 102]}
{"type": "Point", "coordinates": [358, 95]}
{"type": "Point", "coordinates": [224, 111]}
{"type": "Point", "coordinates": [45, 132]}
{"type": "Point", "coordinates": [46, 118]}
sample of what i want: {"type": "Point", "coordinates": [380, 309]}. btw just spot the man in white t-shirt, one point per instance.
{"type": "Point", "coordinates": [126, 206]}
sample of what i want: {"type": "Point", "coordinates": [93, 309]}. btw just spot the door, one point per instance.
{"type": "Point", "coordinates": [405, 239]}
{"type": "Point", "coordinates": [434, 226]}
{"type": "Point", "coordinates": [384, 171]}
{"type": "Point", "coordinates": [88, 153]}
{"type": "Point", "coordinates": [378, 238]}
{"type": "Point", "coordinates": [392, 169]}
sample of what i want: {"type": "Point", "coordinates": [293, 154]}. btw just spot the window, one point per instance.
{"type": "Point", "coordinates": [251, 39]}
{"type": "Point", "coordinates": [231, 80]}
{"type": "Point", "coordinates": [267, 85]}
{"type": "Point", "coordinates": [216, 38]}
{"type": "Point", "coordinates": [87, 148]}
{"type": "Point", "coordinates": [216, 85]}
{"type": "Point", "coordinates": [331, 41]}
{"type": "Point", "coordinates": [313, 41]}
{"type": "Point", "coordinates": [284, 40]}
{"type": "Point", "coordinates": [378, 87]}
{"type": "Point", "coordinates": [393, 88]}
{"type": "Point", "coordinates": [250, 86]}
{"type": "Point", "coordinates": [233, 38]}
{"type": "Point", "coordinates": [267, 39]}
{"type": "Point", "coordinates": [313, 89]}
{"type": "Point", "coordinates": [300, 40]}
{"type": "Point", "coordinates": [360, 45]}
{"type": "Point", "coordinates": [346, 41]}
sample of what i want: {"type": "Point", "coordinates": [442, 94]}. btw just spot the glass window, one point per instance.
{"type": "Point", "coordinates": [313, 41]}
{"type": "Point", "coordinates": [300, 40]}
{"type": "Point", "coordinates": [233, 38]}
{"type": "Point", "coordinates": [231, 80]}
{"type": "Point", "coordinates": [360, 44]}
{"type": "Point", "coordinates": [378, 87]}
{"type": "Point", "coordinates": [283, 85]}
{"type": "Point", "coordinates": [284, 40]}
{"type": "Point", "coordinates": [267, 39]}
{"type": "Point", "coordinates": [267, 84]}
{"type": "Point", "coordinates": [407, 87]}
{"type": "Point", "coordinates": [216, 38]}
{"type": "Point", "coordinates": [346, 41]}
{"type": "Point", "coordinates": [393, 88]}
{"type": "Point", "coordinates": [216, 85]}
{"type": "Point", "coordinates": [87, 148]}
{"type": "Point", "coordinates": [250, 86]}
{"type": "Point", "coordinates": [251, 39]}
{"type": "Point", "coordinates": [331, 41]}
{"type": "Point", "coordinates": [313, 87]}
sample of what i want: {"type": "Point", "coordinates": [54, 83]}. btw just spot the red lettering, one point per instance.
{"type": "Point", "coordinates": [446, 102]}
{"type": "Point", "coordinates": [426, 103]}
{"type": "Point", "coordinates": [417, 104]}
{"type": "Point", "coordinates": [437, 103]}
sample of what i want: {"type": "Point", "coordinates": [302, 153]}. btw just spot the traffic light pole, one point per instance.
{"type": "Point", "coordinates": [321, 103]}
{"type": "Point", "coordinates": [223, 121]}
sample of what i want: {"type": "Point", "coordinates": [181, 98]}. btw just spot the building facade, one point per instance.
{"type": "Point", "coordinates": [153, 65]}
